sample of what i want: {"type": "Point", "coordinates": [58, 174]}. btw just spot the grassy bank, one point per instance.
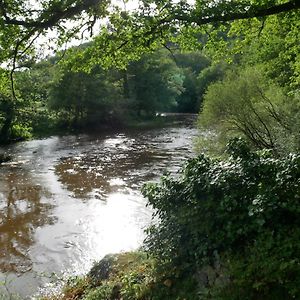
{"type": "Point", "coordinates": [131, 275]}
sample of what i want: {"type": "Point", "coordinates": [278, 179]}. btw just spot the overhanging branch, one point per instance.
{"type": "Point", "coordinates": [49, 19]}
{"type": "Point", "coordinates": [252, 12]}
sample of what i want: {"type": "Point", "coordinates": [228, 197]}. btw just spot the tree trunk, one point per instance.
{"type": "Point", "coordinates": [5, 130]}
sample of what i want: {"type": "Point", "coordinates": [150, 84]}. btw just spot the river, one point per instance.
{"type": "Point", "coordinates": [67, 201]}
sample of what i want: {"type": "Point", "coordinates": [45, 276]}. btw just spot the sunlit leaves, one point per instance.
{"type": "Point", "coordinates": [246, 104]}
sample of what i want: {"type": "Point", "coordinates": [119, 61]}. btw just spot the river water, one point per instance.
{"type": "Point", "coordinates": [67, 201]}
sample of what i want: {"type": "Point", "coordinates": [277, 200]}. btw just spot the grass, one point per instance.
{"type": "Point", "coordinates": [130, 276]}
{"type": "Point", "coordinates": [126, 275]}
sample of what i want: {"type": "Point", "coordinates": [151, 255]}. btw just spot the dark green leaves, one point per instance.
{"type": "Point", "coordinates": [229, 207]}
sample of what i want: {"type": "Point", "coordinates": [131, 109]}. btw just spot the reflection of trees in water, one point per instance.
{"type": "Point", "coordinates": [134, 157]}
{"type": "Point", "coordinates": [21, 211]}
{"type": "Point", "coordinates": [93, 171]}
{"type": "Point", "coordinates": [81, 179]}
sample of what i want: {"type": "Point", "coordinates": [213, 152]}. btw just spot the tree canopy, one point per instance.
{"type": "Point", "coordinates": [53, 12]}
{"type": "Point", "coordinates": [22, 22]}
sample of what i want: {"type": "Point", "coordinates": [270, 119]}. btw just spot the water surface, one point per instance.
{"type": "Point", "coordinates": [67, 201]}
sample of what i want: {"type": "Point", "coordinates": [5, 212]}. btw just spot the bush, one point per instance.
{"type": "Point", "coordinates": [21, 132]}
{"type": "Point", "coordinates": [269, 269]}
{"type": "Point", "coordinates": [241, 213]}
{"type": "Point", "coordinates": [245, 103]}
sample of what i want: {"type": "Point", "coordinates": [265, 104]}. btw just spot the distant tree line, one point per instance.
{"type": "Point", "coordinates": [51, 96]}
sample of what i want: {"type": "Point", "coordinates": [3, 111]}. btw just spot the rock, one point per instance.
{"type": "Point", "coordinates": [168, 283]}
{"type": "Point", "coordinates": [102, 269]}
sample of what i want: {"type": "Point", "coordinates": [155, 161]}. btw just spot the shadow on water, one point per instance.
{"type": "Point", "coordinates": [121, 161]}
{"type": "Point", "coordinates": [22, 210]}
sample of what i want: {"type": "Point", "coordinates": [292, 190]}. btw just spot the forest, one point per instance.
{"type": "Point", "coordinates": [52, 98]}
{"type": "Point", "coordinates": [229, 224]}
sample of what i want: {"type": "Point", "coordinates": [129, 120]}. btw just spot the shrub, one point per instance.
{"type": "Point", "coordinates": [244, 209]}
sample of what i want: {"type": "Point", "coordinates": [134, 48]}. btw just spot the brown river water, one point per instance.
{"type": "Point", "coordinates": [68, 201]}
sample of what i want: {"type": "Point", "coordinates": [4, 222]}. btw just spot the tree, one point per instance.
{"type": "Point", "coordinates": [272, 42]}
{"type": "Point", "coordinates": [53, 13]}
{"type": "Point", "coordinates": [126, 34]}
{"type": "Point", "coordinates": [191, 63]}
{"type": "Point", "coordinates": [7, 108]}
{"type": "Point", "coordinates": [85, 98]}
{"type": "Point", "coordinates": [247, 104]}
{"type": "Point", "coordinates": [155, 81]}
{"type": "Point", "coordinates": [209, 75]}
{"type": "Point", "coordinates": [22, 22]}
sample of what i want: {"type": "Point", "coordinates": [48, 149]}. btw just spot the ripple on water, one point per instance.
{"type": "Point", "coordinates": [67, 201]}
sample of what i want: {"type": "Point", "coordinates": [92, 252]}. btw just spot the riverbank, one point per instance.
{"type": "Point", "coordinates": [222, 235]}
{"type": "Point", "coordinates": [62, 129]}
{"type": "Point", "coordinates": [115, 276]}
{"type": "Point", "coordinates": [128, 276]}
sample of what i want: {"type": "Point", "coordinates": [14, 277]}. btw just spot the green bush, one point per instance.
{"type": "Point", "coordinates": [241, 213]}
{"type": "Point", "coordinates": [104, 291]}
{"type": "Point", "coordinates": [269, 269]}
{"type": "Point", "coordinates": [245, 103]}
{"type": "Point", "coordinates": [19, 131]}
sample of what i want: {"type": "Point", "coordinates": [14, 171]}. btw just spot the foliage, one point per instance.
{"type": "Point", "coordinates": [245, 208]}
{"type": "Point", "coordinates": [154, 83]}
{"type": "Point", "coordinates": [82, 97]}
{"type": "Point", "coordinates": [209, 75]}
{"type": "Point", "coordinates": [131, 35]}
{"type": "Point", "coordinates": [247, 104]}
{"type": "Point", "coordinates": [191, 64]}
{"type": "Point", "coordinates": [269, 269]}
{"type": "Point", "coordinates": [129, 275]}
{"type": "Point", "coordinates": [132, 276]}
{"type": "Point", "coordinates": [126, 34]}
{"type": "Point", "coordinates": [6, 106]}
{"type": "Point", "coordinates": [273, 42]}
{"type": "Point", "coordinates": [52, 99]}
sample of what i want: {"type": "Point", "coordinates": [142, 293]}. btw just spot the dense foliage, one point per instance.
{"type": "Point", "coordinates": [247, 103]}
{"type": "Point", "coordinates": [234, 32]}
{"type": "Point", "coordinates": [50, 97]}
{"type": "Point", "coordinates": [240, 216]}
{"type": "Point", "coordinates": [258, 98]}
{"type": "Point", "coordinates": [236, 61]}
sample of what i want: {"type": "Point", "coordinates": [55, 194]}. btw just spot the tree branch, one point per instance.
{"type": "Point", "coordinates": [44, 21]}
{"type": "Point", "coordinates": [49, 19]}
{"type": "Point", "coordinates": [252, 12]}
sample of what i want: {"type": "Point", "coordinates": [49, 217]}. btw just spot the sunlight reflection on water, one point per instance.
{"type": "Point", "coordinates": [67, 201]}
